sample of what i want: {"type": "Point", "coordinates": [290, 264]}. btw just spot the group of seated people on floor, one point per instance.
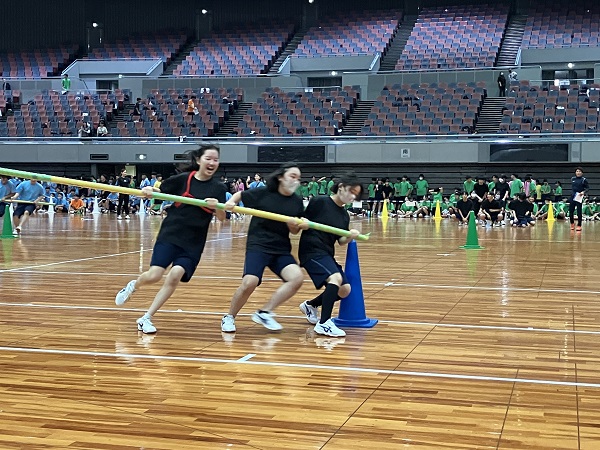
{"type": "Point", "coordinates": [494, 202]}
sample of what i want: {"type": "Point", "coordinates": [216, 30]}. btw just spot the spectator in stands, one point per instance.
{"type": "Point", "coordinates": [66, 84]}
{"type": "Point", "coordinates": [512, 76]}
{"type": "Point", "coordinates": [5, 85]}
{"type": "Point", "coordinates": [501, 85]}
{"type": "Point", "coordinates": [85, 131]}
{"type": "Point", "coordinates": [102, 130]}
{"type": "Point", "coordinates": [137, 108]}
{"type": "Point", "coordinates": [191, 106]}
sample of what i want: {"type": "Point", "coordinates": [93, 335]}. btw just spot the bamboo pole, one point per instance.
{"type": "Point", "coordinates": [173, 198]}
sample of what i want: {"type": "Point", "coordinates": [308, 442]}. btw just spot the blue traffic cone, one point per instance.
{"type": "Point", "coordinates": [352, 308]}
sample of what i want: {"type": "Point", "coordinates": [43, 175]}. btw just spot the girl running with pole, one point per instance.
{"type": "Point", "coordinates": [182, 236]}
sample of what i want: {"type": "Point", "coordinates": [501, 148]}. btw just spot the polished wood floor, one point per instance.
{"type": "Point", "coordinates": [496, 348]}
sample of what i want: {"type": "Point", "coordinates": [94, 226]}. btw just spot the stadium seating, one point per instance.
{"type": "Point", "coordinates": [559, 24]}
{"type": "Point", "coordinates": [37, 64]}
{"type": "Point", "coordinates": [455, 37]}
{"type": "Point", "coordinates": [564, 109]}
{"type": "Point", "coordinates": [248, 51]}
{"type": "Point", "coordinates": [164, 113]}
{"type": "Point", "coordinates": [163, 44]}
{"type": "Point", "coordinates": [51, 114]}
{"type": "Point", "coordinates": [278, 113]}
{"type": "Point", "coordinates": [351, 33]}
{"type": "Point", "coordinates": [447, 109]}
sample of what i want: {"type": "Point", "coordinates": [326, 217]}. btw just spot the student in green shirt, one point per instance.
{"type": "Point", "coordinates": [516, 185]}
{"type": "Point", "coordinates": [66, 84]}
{"type": "Point", "coordinates": [408, 208]}
{"type": "Point", "coordinates": [330, 184]}
{"type": "Point", "coordinates": [557, 192]}
{"type": "Point", "coordinates": [302, 190]}
{"type": "Point", "coordinates": [561, 209]}
{"type": "Point", "coordinates": [545, 191]}
{"type": "Point", "coordinates": [313, 187]}
{"type": "Point", "coordinates": [424, 208]}
{"type": "Point", "coordinates": [323, 186]}
{"type": "Point", "coordinates": [421, 186]}
{"type": "Point", "coordinates": [469, 184]}
{"type": "Point", "coordinates": [492, 184]}
{"type": "Point", "coordinates": [371, 192]}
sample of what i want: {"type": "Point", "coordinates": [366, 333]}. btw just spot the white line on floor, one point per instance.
{"type": "Point", "coordinates": [300, 366]}
{"type": "Point", "coordinates": [220, 314]}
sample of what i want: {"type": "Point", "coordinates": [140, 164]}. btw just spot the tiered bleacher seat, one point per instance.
{"type": "Point", "coordinates": [447, 109]}
{"type": "Point", "coordinates": [278, 113]}
{"type": "Point", "coordinates": [36, 64]}
{"type": "Point", "coordinates": [53, 114]}
{"type": "Point", "coordinates": [351, 33]}
{"type": "Point", "coordinates": [455, 37]}
{"type": "Point", "coordinates": [9, 98]}
{"type": "Point", "coordinates": [554, 109]}
{"type": "Point", "coordinates": [560, 24]}
{"type": "Point", "coordinates": [164, 45]}
{"type": "Point", "coordinates": [164, 113]}
{"type": "Point", "coordinates": [247, 51]}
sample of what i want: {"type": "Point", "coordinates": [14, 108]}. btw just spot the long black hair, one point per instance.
{"type": "Point", "coordinates": [346, 179]}
{"type": "Point", "coordinates": [193, 155]}
{"type": "Point", "coordinates": [273, 178]}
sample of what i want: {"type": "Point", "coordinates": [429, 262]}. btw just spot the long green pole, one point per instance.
{"type": "Point", "coordinates": [172, 198]}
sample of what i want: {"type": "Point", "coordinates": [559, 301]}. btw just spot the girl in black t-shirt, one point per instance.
{"type": "Point", "coordinates": [180, 241]}
{"type": "Point", "coordinates": [268, 245]}
{"type": "Point", "coordinates": [317, 250]}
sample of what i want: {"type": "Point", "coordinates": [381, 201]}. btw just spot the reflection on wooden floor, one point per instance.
{"type": "Point", "coordinates": [492, 348]}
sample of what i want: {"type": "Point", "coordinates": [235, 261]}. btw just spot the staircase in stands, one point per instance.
{"type": "Point", "coordinates": [511, 42]}
{"type": "Point", "coordinates": [398, 43]}
{"type": "Point", "coordinates": [490, 115]}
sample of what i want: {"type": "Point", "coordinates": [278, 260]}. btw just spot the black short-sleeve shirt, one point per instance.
{"type": "Point", "coordinates": [187, 226]}
{"type": "Point", "coordinates": [266, 235]}
{"type": "Point", "coordinates": [315, 243]}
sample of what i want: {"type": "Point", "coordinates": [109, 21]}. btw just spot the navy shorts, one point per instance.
{"type": "Point", "coordinates": [3, 208]}
{"type": "Point", "coordinates": [523, 221]}
{"type": "Point", "coordinates": [320, 268]}
{"type": "Point", "coordinates": [22, 208]}
{"type": "Point", "coordinates": [165, 254]}
{"type": "Point", "coordinates": [256, 262]}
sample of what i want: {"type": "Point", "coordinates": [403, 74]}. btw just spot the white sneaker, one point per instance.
{"type": "Point", "coordinates": [312, 313]}
{"type": "Point", "coordinates": [119, 218]}
{"type": "Point", "coordinates": [145, 325]}
{"type": "Point", "coordinates": [228, 324]}
{"type": "Point", "coordinates": [125, 293]}
{"type": "Point", "coordinates": [329, 329]}
{"type": "Point", "coordinates": [127, 216]}
{"type": "Point", "coordinates": [266, 320]}
{"type": "Point", "coordinates": [18, 230]}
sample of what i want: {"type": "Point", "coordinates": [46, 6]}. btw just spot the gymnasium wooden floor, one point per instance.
{"type": "Point", "coordinates": [493, 348]}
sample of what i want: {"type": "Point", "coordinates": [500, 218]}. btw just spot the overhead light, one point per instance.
{"type": "Point", "coordinates": [141, 156]}
{"type": "Point", "coordinates": [333, 73]}
{"type": "Point", "coordinates": [95, 25]}
{"type": "Point", "coordinates": [570, 65]}
{"type": "Point", "coordinates": [311, 1]}
{"type": "Point", "coordinates": [204, 11]}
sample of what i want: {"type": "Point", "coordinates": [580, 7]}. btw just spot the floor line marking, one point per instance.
{"type": "Point", "coordinates": [246, 358]}
{"type": "Point", "coordinates": [21, 269]}
{"type": "Point", "coordinates": [220, 314]}
{"type": "Point", "coordinates": [301, 366]}
{"type": "Point", "coordinates": [369, 283]}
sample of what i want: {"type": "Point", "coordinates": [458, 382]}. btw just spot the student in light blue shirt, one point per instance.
{"type": "Point", "coordinates": [29, 191]}
{"type": "Point", "coordinates": [7, 189]}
